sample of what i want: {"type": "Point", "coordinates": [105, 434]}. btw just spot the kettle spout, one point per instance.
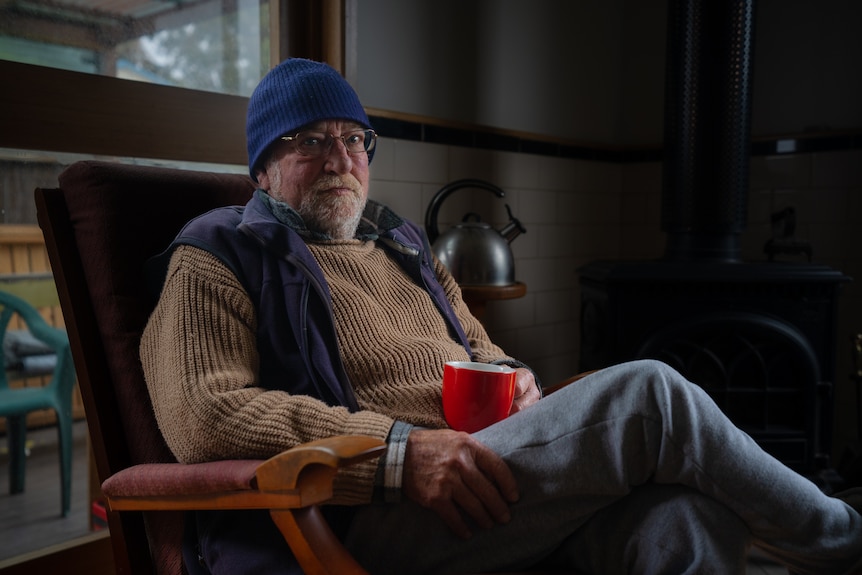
{"type": "Point", "coordinates": [514, 228]}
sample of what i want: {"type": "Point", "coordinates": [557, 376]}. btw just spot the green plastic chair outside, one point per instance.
{"type": "Point", "coordinates": [15, 404]}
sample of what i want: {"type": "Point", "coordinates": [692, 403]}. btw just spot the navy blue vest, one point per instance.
{"type": "Point", "coordinates": [296, 336]}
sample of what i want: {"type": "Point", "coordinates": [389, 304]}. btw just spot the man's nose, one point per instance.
{"type": "Point", "coordinates": [337, 158]}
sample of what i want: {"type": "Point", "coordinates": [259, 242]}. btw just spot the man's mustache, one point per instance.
{"type": "Point", "coordinates": [329, 182]}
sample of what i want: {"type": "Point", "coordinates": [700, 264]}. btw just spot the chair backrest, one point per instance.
{"type": "Point", "coordinates": [101, 225]}
{"type": "Point", "coordinates": [47, 346]}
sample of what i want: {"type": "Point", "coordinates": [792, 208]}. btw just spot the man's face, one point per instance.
{"type": "Point", "coordinates": [329, 191]}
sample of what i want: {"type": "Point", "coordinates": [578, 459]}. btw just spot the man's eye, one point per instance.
{"type": "Point", "coordinates": [356, 138]}
{"type": "Point", "coordinates": [311, 141]}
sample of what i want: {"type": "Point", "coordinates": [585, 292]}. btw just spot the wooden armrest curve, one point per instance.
{"type": "Point", "coordinates": [297, 467]}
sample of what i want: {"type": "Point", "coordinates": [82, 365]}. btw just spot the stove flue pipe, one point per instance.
{"type": "Point", "coordinates": [707, 128]}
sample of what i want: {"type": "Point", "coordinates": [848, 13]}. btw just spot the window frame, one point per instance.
{"type": "Point", "coordinates": [61, 111]}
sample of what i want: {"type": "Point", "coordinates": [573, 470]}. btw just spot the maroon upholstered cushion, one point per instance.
{"type": "Point", "coordinates": [122, 215]}
{"type": "Point", "coordinates": [162, 479]}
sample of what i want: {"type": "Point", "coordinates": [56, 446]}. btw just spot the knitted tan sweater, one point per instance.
{"type": "Point", "coordinates": [200, 360]}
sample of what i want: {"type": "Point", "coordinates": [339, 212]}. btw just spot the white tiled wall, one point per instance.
{"type": "Point", "coordinates": [570, 208]}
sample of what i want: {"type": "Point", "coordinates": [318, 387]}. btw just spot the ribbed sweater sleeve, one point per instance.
{"type": "Point", "coordinates": [200, 362]}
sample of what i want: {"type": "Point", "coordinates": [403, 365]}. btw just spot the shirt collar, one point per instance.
{"type": "Point", "coordinates": [376, 219]}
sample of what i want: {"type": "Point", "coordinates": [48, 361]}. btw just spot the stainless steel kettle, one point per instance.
{"type": "Point", "coordinates": [475, 253]}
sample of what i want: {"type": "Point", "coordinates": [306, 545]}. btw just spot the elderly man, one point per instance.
{"type": "Point", "coordinates": [313, 311]}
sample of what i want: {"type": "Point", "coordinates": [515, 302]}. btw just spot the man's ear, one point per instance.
{"type": "Point", "coordinates": [262, 180]}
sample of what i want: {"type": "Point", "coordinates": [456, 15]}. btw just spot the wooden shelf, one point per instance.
{"type": "Point", "coordinates": [477, 297]}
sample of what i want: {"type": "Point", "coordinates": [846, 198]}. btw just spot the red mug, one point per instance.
{"type": "Point", "coordinates": [475, 395]}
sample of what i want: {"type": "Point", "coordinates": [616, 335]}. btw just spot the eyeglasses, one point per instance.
{"type": "Point", "coordinates": [316, 144]}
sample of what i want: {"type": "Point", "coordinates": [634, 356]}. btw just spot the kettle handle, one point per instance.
{"type": "Point", "coordinates": [443, 193]}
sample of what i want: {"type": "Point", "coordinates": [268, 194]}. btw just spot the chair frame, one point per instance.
{"type": "Point", "coordinates": [93, 377]}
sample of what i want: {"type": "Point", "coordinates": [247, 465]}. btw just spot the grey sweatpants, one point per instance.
{"type": "Point", "coordinates": [630, 470]}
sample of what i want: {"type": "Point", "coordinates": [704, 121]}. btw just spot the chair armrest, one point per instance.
{"type": "Point", "coordinates": [310, 468]}
{"type": "Point", "coordinates": [178, 479]}
{"type": "Point", "coordinates": [295, 478]}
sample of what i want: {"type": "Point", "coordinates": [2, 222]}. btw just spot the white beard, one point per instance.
{"type": "Point", "coordinates": [337, 216]}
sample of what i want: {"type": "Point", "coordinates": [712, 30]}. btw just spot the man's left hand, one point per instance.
{"type": "Point", "coordinates": [526, 391]}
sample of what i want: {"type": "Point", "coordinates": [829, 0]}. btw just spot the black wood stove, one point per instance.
{"type": "Point", "coordinates": [757, 336]}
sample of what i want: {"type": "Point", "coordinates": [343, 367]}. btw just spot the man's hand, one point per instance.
{"type": "Point", "coordinates": [526, 391]}
{"type": "Point", "coordinates": [451, 473]}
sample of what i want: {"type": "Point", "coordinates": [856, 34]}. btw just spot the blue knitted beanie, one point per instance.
{"type": "Point", "coordinates": [292, 95]}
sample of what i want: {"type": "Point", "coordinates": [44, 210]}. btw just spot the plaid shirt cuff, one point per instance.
{"type": "Point", "coordinates": [390, 467]}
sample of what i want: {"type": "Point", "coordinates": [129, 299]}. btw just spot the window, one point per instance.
{"type": "Point", "coordinates": [212, 45]}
